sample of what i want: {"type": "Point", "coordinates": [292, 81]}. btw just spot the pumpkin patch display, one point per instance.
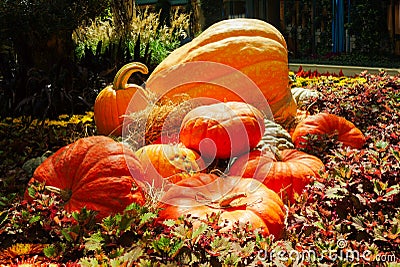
{"type": "Point", "coordinates": [222, 130]}
{"type": "Point", "coordinates": [328, 124]}
{"type": "Point", "coordinates": [94, 172]}
{"type": "Point", "coordinates": [252, 47]}
{"type": "Point", "coordinates": [168, 163]}
{"type": "Point", "coordinates": [112, 102]}
{"type": "Point", "coordinates": [286, 172]}
{"type": "Point", "coordinates": [236, 199]}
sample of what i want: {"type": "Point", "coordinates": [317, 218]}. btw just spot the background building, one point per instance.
{"type": "Point", "coordinates": [309, 26]}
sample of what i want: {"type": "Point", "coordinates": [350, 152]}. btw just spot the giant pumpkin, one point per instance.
{"type": "Point", "coordinates": [286, 172]}
{"type": "Point", "coordinates": [236, 199]}
{"type": "Point", "coordinates": [112, 102]}
{"type": "Point", "coordinates": [94, 172]}
{"type": "Point", "coordinates": [251, 46]}
{"type": "Point", "coordinates": [222, 130]}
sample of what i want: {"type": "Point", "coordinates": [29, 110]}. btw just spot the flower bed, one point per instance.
{"type": "Point", "coordinates": [350, 215]}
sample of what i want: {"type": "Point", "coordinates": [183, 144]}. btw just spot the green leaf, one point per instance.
{"type": "Point", "coordinates": [381, 144]}
{"type": "Point", "coordinates": [319, 225]}
{"type": "Point", "coordinates": [169, 222]}
{"type": "Point", "coordinates": [200, 230]}
{"type": "Point", "coordinates": [75, 215]}
{"type": "Point", "coordinates": [220, 244]}
{"type": "Point", "coordinates": [162, 244]}
{"type": "Point", "coordinates": [335, 192]}
{"type": "Point", "coordinates": [125, 223]}
{"type": "Point", "coordinates": [396, 154]}
{"type": "Point", "coordinates": [34, 219]}
{"type": "Point", "coordinates": [358, 223]}
{"type": "Point", "coordinates": [176, 247]}
{"type": "Point", "coordinates": [133, 206]}
{"type": "Point", "coordinates": [49, 251]}
{"type": "Point", "coordinates": [94, 242]}
{"type": "Point", "coordinates": [31, 192]}
{"type": "Point", "coordinates": [147, 217]}
{"type": "Point", "coordinates": [66, 235]}
{"type": "Point", "coordinates": [133, 255]}
{"type": "Point", "coordinates": [3, 217]}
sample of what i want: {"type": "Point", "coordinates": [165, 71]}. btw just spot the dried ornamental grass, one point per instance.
{"type": "Point", "coordinates": [159, 117]}
{"type": "Point", "coordinates": [143, 22]}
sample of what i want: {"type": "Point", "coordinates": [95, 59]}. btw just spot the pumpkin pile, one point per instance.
{"type": "Point", "coordinates": [230, 151]}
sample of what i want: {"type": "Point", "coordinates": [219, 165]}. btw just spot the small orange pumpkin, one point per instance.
{"type": "Point", "coordinates": [112, 102]}
{"type": "Point", "coordinates": [222, 130]}
{"type": "Point", "coordinates": [168, 163]}
{"type": "Point", "coordinates": [324, 123]}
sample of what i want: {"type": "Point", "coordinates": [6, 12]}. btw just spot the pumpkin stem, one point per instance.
{"type": "Point", "coordinates": [122, 76]}
{"type": "Point", "coordinates": [227, 200]}
{"type": "Point", "coordinates": [65, 194]}
{"type": "Point", "coordinates": [277, 155]}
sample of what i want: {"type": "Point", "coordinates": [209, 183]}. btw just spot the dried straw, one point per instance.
{"type": "Point", "coordinates": [164, 116]}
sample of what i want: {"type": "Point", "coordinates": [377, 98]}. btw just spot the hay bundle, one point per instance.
{"type": "Point", "coordinates": [145, 126]}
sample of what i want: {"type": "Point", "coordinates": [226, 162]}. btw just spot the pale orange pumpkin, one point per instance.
{"type": "Point", "coordinates": [112, 102]}
{"type": "Point", "coordinates": [252, 47]}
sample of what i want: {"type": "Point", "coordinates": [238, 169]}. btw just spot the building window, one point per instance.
{"type": "Point", "coordinates": [235, 9]}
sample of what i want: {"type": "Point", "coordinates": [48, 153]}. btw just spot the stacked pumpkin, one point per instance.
{"type": "Point", "coordinates": [223, 131]}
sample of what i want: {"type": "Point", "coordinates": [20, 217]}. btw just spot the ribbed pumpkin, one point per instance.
{"type": "Point", "coordinates": [112, 102]}
{"type": "Point", "coordinates": [275, 136]}
{"type": "Point", "coordinates": [94, 172]}
{"type": "Point", "coordinates": [168, 163]}
{"type": "Point", "coordinates": [302, 95]}
{"type": "Point", "coordinates": [252, 46]}
{"type": "Point", "coordinates": [238, 200]}
{"type": "Point", "coordinates": [328, 124]}
{"type": "Point", "coordinates": [222, 130]}
{"type": "Point", "coordinates": [286, 172]}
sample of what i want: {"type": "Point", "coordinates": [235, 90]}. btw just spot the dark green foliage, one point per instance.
{"type": "Point", "coordinates": [38, 74]}
{"type": "Point", "coordinates": [369, 25]}
{"type": "Point", "coordinates": [41, 30]}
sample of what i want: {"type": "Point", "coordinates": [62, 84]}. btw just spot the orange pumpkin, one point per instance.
{"type": "Point", "coordinates": [167, 163]}
{"type": "Point", "coordinates": [222, 130]}
{"type": "Point", "coordinates": [286, 172]}
{"type": "Point", "coordinates": [94, 172]}
{"type": "Point", "coordinates": [238, 200]}
{"type": "Point", "coordinates": [328, 124]}
{"type": "Point", "coordinates": [112, 102]}
{"type": "Point", "coordinates": [252, 47]}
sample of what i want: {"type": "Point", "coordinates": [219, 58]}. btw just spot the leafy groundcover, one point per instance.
{"type": "Point", "coordinates": [348, 217]}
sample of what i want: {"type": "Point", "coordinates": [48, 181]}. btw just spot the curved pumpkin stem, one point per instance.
{"type": "Point", "coordinates": [121, 78]}
{"type": "Point", "coordinates": [227, 200]}
{"type": "Point", "coordinates": [277, 155]}
{"type": "Point", "coordinates": [231, 200]}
